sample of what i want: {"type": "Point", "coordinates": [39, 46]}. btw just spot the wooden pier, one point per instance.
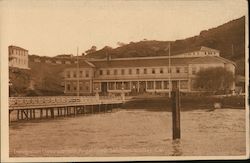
{"type": "Point", "coordinates": [29, 108]}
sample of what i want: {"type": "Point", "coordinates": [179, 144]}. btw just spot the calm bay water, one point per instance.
{"type": "Point", "coordinates": [132, 133]}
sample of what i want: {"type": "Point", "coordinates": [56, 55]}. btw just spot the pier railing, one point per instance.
{"type": "Point", "coordinates": [53, 101]}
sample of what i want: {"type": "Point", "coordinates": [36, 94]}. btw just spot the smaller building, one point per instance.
{"type": "Point", "coordinates": [18, 57]}
{"type": "Point", "coordinates": [79, 80]}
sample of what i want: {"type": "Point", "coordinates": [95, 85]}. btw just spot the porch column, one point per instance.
{"type": "Point", "coordinates": [138, 85]}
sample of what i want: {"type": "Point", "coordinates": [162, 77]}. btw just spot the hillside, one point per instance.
{"type": "Point", "coordinates": [46, 78]}
{"type": "Point", "coordinates": [42, 79]}
{"type": "Point", "coordinates": [221, 38]}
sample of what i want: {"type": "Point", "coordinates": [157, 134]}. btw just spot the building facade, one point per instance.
{"type": "Point", "coordinates": [143, 74]}
{"type": "Point", "coordinates": [18, 57]}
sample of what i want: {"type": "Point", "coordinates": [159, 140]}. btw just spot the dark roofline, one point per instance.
{"type": "Point", "coordinates": [17, 47]}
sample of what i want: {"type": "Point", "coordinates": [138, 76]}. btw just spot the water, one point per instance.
{"type": "Point", "coordinates": [132, 133]}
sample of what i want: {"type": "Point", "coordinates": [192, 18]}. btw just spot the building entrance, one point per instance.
{"type": "Point", "coordinates": [134, 87]}
{"type": "Point", "coordinates": [104, 88]}
{"type": "Point", "coordinates": [174, 84]}
{"type": "Point", "coordinates": [142, 87]}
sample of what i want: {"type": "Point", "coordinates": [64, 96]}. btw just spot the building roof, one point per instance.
{"type": "Point", "coordinates": [210, 60]}
{"type": "Point", "coordinates": [82, 64]}
{"type": "Point", "coordinates": [193, 49]}
{"type": "Point", "coordinates": [153, 62]}
{"type": "Point", "coordinates": [142, 62]}
{"type": "Point", "coordinates": [17, 47]}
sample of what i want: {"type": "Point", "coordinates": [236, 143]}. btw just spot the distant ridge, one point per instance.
{"type": "Point", "coordinates": [221, 38]}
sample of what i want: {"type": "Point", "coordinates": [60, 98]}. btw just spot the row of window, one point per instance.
{"type": "Point", "coordinates": [142, 71]}
{"type": "Point", "coordinates": [19, 61]}
{"type": "Point", "coordinates": [83, 86]}
{"type": "Point", "coordinates": [130, 71]}
{"type": "Point", "coordinates": [197, 53]}
{"type": "Point", "coordinates": [19, 52]}
{"type": "Point", "coordinates": [81, 74]}
{"type": "Point", "coordinates": [150, 85]}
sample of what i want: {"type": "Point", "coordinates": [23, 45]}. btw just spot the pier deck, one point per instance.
{"type": "Point", "coordinates": [27, 108]}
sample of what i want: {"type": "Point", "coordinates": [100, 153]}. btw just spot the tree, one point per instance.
{"type": "Point", "coordinates": [120, 44]}
{"type": "Point", "coordinates": [91, 50]}
{"type": "Point", "coordinates": [214, 79]}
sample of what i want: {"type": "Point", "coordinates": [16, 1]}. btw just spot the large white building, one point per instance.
{"type": "Point", "coordinates": [18, 57]}
{"type": "Point", "coordinates": [142, 74]}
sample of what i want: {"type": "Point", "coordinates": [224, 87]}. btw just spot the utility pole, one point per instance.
{"type": "Point", "coordinates": [77, 73]}
{"type": "Point", "coordinates": [169, 70]}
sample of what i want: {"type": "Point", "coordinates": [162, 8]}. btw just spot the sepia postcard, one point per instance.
{"type": "Point", "coordinates": [124, 80]}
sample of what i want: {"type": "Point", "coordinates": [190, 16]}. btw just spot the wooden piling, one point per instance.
{"type": "Point", "coordinates": [52, 112]}
{"type": "Point", "coordinates": [67, 111]}
{"type": "Point", "coordinates": [18, 114]}
{"type": "Point", "coordinates": [22, 114]}
{"type": "Point", "coordinates": [175, 98]}
{"type": "Point", "coordinates": [41, 113]}
{"type": "Point", "coordinates": [34, 113]}
{"type": "Point", "coordinates": [47, 113]}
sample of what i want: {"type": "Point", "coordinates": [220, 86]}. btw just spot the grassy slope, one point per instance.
{"type": "Point", "coordinates": [187, 103]}
{"type": "Point", "coordinates": [48, 78]}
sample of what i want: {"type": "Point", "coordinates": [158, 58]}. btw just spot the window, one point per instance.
{"type": "Point", "coordinates": [115, 72]}
{"type": "Point", "coordinates": [80, 75]}
{"type": "Point", "coordinates": [118, 85]}
{"type": "Point", "coordinates": [150, 85]}
{"type": "Point", "coordinates": [87, 73]}
{"type": "Point", "coordinates": [126, 85]}
{"type": "Point", "coordinates": [185, 69]}
{"type": "Point", "coordinates": [86, 84]}
{"type": "Point", "coordinates": [158, 85]}
{"type": "Point", "coordinates": [153, 71]}
{"type": "Point", "coordinates": [123, 71]}
{"type": "Point", "coordinates": [100, 72]}
{"type": "Point", "coordinates": [111, 85]}
{"type": "Point", "coordinates": [68, 87]}
{"type": "Point", "coordinates": [108, 72]}
{"type": "Point", "coordinates": [193, 70]}
{"type": "Point", "coordinates": [130, 71]}
{"type": "Point", "coordinates": [145, 71]}
{"type": "Point", "coordinates": [183, 84]}
{"type": "Point", "coordinates": [161, 71]}
{"type": "Point", "coordinates": [165, 85]}
{"type": "Point", "coordinates": [137, 71]}
{"type": "Point", "coordinates": [177, 70]}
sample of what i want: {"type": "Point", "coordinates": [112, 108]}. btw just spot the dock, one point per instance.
{"type": "Point", "coordinates": [30, 108]}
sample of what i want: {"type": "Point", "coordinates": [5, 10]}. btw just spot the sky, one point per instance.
{"type": "Point", "coordinates": [52, 27]}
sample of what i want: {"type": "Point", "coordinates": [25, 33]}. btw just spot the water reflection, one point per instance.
{"type": "Point", "coordinates": [176, 146]}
